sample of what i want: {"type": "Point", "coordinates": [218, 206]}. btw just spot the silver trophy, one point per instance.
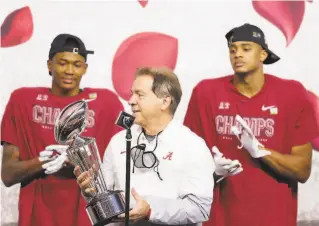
{"type": "Point", "coordinates": [104, 205]}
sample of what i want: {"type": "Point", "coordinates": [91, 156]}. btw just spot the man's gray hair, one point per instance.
{"type": "Point", "coordinates": [165, 84]}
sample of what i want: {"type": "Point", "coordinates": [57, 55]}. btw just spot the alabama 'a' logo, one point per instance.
{"type": "Point", "coordinates": [168, 156]}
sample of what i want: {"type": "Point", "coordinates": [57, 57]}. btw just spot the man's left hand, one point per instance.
{"type": "Point", "coordinates": [141, 209]}
{"type": "Point", "coordinates": [248, 139]}
{"type": "Point", "coordinates": [253, 146]}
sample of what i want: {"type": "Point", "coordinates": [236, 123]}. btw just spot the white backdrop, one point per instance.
{"type": "Point", "coordinates": [199, 28]}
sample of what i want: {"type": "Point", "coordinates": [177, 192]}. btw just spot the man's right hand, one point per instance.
{"type": "Point", "coordinates": [84, 180]}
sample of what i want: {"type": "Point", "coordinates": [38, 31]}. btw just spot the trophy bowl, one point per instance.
{"type": "Point", "coordinates": [70, 122]}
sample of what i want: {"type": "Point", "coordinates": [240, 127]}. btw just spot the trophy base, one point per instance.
{"type": "Point", "coordinates": [104, 207]}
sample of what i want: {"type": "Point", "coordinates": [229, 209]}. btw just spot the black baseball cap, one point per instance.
{"type": "Point", "coordinates": [68, 43]}
{"type": "Point", "coordinates": [251, 33]}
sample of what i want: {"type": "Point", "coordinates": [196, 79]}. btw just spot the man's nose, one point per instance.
{"type": "Point", "coordinates": [69, 69]}
{"type": "Point", "coordinates": [132, 100]}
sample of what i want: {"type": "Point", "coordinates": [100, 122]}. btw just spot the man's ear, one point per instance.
{"type": "Point", "coordinates": [263, 55]}
{"type": "Point", "coordinates": [85, 68]}
{"type": "Point", "coordinates": [49, 64]}
{"type": "Point", "coordinates": [166, 102]}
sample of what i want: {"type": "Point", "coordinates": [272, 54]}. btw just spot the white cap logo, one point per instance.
{"type": "Point", "coordinates": [75, 50]}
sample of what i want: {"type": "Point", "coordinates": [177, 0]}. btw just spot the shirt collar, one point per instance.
{"type": "Point", "coordinates": [229, 83]}
{"type": "Point", "coordinates": [167, 135]}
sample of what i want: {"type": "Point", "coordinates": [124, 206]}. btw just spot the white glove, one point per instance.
{"type": "Point", "coordinates": [225, 167]}
{"type": "Point", "coordinates": [56, 164]}
{"type": "Point", "coordinates": [51, 152]}
{"type": "Point", "coordinates": [46, 156]}
{"type": "Point", "coordinates": [248, 140]}
{"type": "Point", "coordinates": [54, 154]}
{"type": "Point", "coordinates": [57, 147]}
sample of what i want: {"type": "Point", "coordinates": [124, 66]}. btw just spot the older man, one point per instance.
{"type": "Point", "coordinates": [172, 175]}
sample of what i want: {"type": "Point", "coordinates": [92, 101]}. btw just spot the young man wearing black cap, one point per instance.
{"type": "Point", "coordinates": [261, 120]}
{"type": "Point", "coordinates": [49, 193]}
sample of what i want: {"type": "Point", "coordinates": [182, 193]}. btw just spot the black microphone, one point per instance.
{"type": "Point", "coordinates": [125, 120]}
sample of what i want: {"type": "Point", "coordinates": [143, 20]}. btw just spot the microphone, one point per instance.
{"type": "Point", "coordinates": [125, 120]}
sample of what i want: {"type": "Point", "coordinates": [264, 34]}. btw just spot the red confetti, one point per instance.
{"type": "Point", "coordinates": [143, 3]}
{"type": "Point", "coordinates": [17, 28]}
{"type": "Point", "coordinates": [287, 16]}
{"type": "Point", "coordinates": [142, 49]}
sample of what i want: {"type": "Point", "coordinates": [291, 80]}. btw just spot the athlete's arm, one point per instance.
{"type": "Point", "coordinates": [301, 130]}
{"type": "Point", "coordinates": [13, 170]}
{"type": "Point", "coordinates": [296, 165]}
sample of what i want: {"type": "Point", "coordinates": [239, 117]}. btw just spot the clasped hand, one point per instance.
{"type": "Point", "coordinates": [54, 158]}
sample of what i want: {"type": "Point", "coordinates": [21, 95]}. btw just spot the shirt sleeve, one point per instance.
{"type": "Point", "coordinates": [304, 127]}
{"type": "Point", "coordinates": [199, 117]}
{"type": "Point", "coordinates": [196, 196]}
{"type": "Point", "coordinates": [8, 124]}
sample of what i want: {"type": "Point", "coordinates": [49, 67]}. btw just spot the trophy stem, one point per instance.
{"type": "Point", "coordinates": [77, 162]}
{"type": "Point", "coordinates": [80, 157]}
{"type": "Point", "coordinates": [96, 155]}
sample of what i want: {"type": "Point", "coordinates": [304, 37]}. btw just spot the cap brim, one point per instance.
{"type": "Point", "coordinates": [272, 58]}
{"type": "Point", "coordinates": [89, 52]}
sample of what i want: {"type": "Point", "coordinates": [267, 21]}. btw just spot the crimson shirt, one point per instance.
{"type": "Point", "coordinates": [28, 123]}
{"type": "Point", "coordinates": [281, 117]}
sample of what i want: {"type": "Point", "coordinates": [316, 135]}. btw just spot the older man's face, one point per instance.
{"type": "Point", "coordinates": [145, 105]}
